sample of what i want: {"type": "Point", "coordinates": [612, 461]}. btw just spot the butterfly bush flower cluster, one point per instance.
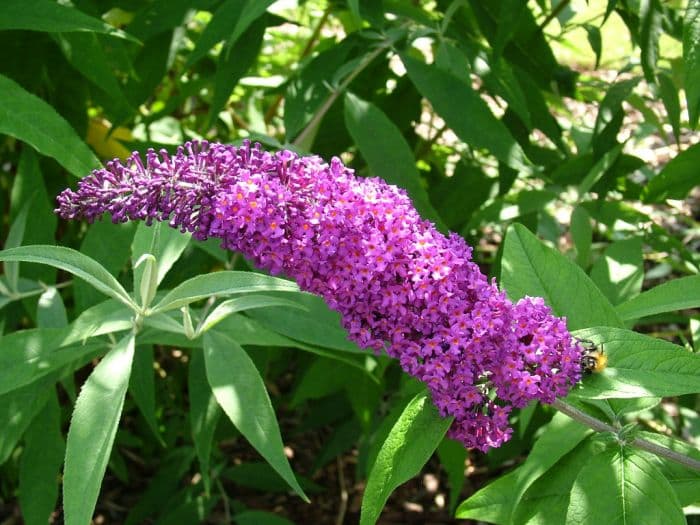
{"type": "Point", "coordinates": [401, 286]}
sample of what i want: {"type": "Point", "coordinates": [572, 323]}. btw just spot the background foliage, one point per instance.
{"type": "Point", "coordinates": [555, 136]}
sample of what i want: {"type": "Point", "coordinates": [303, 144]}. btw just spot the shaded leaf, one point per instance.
{"type": "Point", "coordinates": [30, 119]}
{"type": "Point", "coordinates": [676, 179]}
{"type": "Point", "coordinates": [53, 17]}
{"type": "Point", "coordinates": [17, 410]}
{"type": "Point", "coordinates": [691, 60]}
{"type": "Point", "coordinates": [204, 413]}
{"type": "Point", "coordinates": [40, 464]}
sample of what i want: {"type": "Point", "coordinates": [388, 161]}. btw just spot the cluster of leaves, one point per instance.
{"type": "Point", "coordinates": [463, 103]}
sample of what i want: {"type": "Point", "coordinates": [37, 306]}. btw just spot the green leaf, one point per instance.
{"type": "Point", "coordinates": [228, 22]}
{"type": "Point", "coordinates": [670, 97]}
{"type": "Point", "coordinates": [107, 317]}
{"type": "Point", "coordinates": [610, 115]}
{"type": "Point", "coordinates": [307, 93]}
{"type": "Point", "coordinates": [560, 437]}
{"type": "Point", "coordinates": [547, 499]}
{"type": "Point", "coordinates": [14, 239]}
{"type": "Point", "coordinates": [492, 503]}
{"type": "Point", "coordinates": [676, 179]}
{"type": "Point", "coordinates": [411, 442]}
{"type": "Point", "coordinates": [113, 256]}
{"type": "Point", "coordinates": [509, 14]}
{"type": "Point", "coordinates": [619, 486]}
{"type": "Point", "coordinates": [465, 112]}
{"type": "Point", "coordinates": [17, 410]}
{"type": "Point", "coordinates": [204, 413]}
{"type": "Point", "coordinates": [164, 243]}
{"type": "Point", "coordinates": [163, 486]}
{"type": "Point", "coordinates": [581, 235]}
{"type": "Point", "coordinates": [74, 262]}
{"type": "Point", "coordinates": [599, 169]}
{"type": "Point", "coordinates": [314, 323]}
{"type": "Point", "coordinates": [595, 41]}
{"type": "Point", "coordinates": [40, 464]}
{"type": "Point", "coordinates": [29, 355]}
{"type": "Point", "coordinates": [142, 387]}
{"type": "Point", "coordinates": [241, 393]}
{"type": "Point", "coordinates": [684, 480]}
{"type": "Point", "coordinates": [52, 17]}
{"type": "Point", "coordinates": [691, 60]}
{"type": "Point", "coordinates": [29, 185]}
{"type": "Point", "coordinates": [221, 283]}
{"type": "Point", "coordinates": [528, 267]}
{"type": "Point", "coordinates": [619, 271]}
{"type": "Point", "coordinates": [51, 312]}
{"type": "Point", "coordinates": [85, 53]}
{"type": "Point", "coordinates": [92, 431]}
{"type": "Point", "coordinates": [237, 57]}
{"type": "Point", "coordinates": [676, 294]}
{"type": "Point", "coordinates": [453, 456]}
{"type": "Point", "coordinates": [649, 31]}
{"type": "Point", "coordinates": [640, 366]}
{"type": "Point", "coordinates": [386, 152]}
{"type": "Point", "coordinates": [259, 517]}
{"type": "Point", "coordinates": [241, 304]}
{"type": "Point", "coordinates": [30, 119]}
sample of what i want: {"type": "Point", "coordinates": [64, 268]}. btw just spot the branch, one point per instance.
{"type": "Point", "coordinates": [600, 426]}
{"type": "Point", "coordinates": [318, 116]}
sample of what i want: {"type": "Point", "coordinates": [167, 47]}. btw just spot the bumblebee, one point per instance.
{"type": "Point", "coordinates": [593, 359]}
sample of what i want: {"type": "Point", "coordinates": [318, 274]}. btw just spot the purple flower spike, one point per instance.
{"type": "Point", "coordinates": [400, 285]}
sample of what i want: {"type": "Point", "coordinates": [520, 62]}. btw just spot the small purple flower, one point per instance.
{"type": "Point", "coordinates": [401, 286]}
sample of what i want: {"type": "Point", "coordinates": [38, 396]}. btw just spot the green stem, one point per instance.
{"type": "Point", "coordinates": [318, 116]}
{"type": "Point", "coordinates": [601, 426]}
{"type": "Point", "coordinates": [554, 13]}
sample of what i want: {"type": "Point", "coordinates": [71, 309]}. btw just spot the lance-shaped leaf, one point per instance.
{"type": "Point", "coordinates": [528, 267]}
{"type": "Point", "coordinates": [73, 262]}
{"type": "Point", "coordinates": [28, 118]}
{"type": "Point", "coordinates": [92, 431]}
{"type": "Point", "coordinates": [241, 393]}
{"type": "Point", "coordinates": [691, 59]}
{"type": "Point", "coordinates": [41, 463]}
{"type": "Point", "coordinates": [221, 283]}
{"type": "Point", "coordinates": [240, 304]}
{"type": "Point", "coordinates": [676, 179]}
{"type": "Point", "coordinates": [52, 17]}
{"type": "Point", "coordinates": [677, 294]}
{"type": "Point", "coordinates": [409, 445]}
{"type": "Point", "coordinates": [465, 112]}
